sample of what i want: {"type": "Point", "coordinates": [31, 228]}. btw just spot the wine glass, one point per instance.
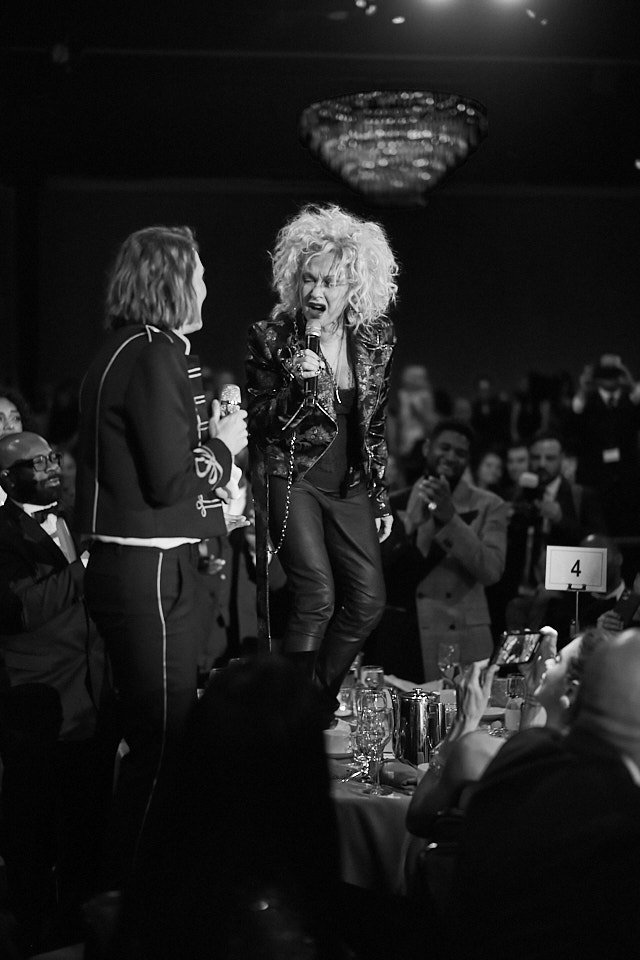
{"type": "Point", "coordinates": [373, 732]}
{"type": "Point", "coordinates": [372, 675]}
{"type": "Point", "coordinates": [448, 661]}
{"type": "Point", "coordinates": [346, 692]}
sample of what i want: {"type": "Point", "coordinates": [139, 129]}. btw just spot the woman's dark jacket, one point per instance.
{"type": "Point", "coordinates": [286, 438]}
{"type": "Point", "coordinates": [276, 411]}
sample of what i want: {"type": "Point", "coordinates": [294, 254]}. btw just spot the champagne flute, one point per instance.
{"type": "Point", "coordinates": [448, 661]}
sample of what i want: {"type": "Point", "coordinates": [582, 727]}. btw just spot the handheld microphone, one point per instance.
{"type": "Point", "coordinates": [312, 342]}
{"type": "Point", "coordinates": [230, 399]}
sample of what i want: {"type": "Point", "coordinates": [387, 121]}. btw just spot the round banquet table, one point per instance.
{"type": "Point", "coordinates": [375, 845]}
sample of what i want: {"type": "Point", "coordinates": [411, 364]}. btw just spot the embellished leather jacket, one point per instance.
{"type": "Point", "coordinates": [289, 436]}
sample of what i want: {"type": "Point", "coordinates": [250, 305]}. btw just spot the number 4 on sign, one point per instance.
{"type": "Point", "coordinates": [576, 568]}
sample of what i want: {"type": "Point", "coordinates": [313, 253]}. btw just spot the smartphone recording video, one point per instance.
{"type": "Point", "coordinates": [516, 648]}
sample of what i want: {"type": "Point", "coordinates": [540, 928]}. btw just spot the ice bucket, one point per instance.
{"type": "Point", "coordinates": [420, 725]}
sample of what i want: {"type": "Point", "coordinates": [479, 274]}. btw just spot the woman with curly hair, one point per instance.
{"type": "Point", "coordinates": [13, 411]}
{"type": "Point", "coordinates": [317, 427]}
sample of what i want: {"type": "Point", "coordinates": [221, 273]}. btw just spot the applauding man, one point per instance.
{"type": "Point", "coordinates": [449, 545]}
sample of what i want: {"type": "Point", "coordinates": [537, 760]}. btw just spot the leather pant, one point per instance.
{"type": "Point", "coordinates": [331, 556]}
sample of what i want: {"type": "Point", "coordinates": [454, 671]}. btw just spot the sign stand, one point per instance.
{"type": "Point", "coordinates": [577, 591]}
{"type": "Point", "coordinates": [578, 570]}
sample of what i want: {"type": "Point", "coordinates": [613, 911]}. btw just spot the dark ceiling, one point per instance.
{"type": "Point", "coordinates": [214, 89]}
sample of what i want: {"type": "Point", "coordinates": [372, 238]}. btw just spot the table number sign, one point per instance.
{"type": "Point", "coordinates": [576, 568]}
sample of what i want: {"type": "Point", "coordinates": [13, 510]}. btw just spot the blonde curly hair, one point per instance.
{"type": "Point", "coordinates": [363, 258]}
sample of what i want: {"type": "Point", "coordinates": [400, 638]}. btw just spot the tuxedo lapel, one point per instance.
{"type": "Point", "coordinates": [31, 538]}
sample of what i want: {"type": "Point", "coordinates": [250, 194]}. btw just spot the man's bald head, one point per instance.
{"type": "Point", "coordinates": [609, 701]}
{"type": "Point", "coordinates": [21, 446]}
{"type": "Point", "coordinates": [24, 481]}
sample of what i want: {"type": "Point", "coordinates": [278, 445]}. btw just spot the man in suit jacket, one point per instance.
{"type": "Point", "coordinates": [448, 543]}
{"type": "Point", "coordinates": [57, 769]}
{"type": "Point", "coordinates": [554, 826]}
{"type": "Point", "coordinates": [551, 511]}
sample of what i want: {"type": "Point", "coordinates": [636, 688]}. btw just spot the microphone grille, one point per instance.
{"type": "Point", "coordinates": [230, 393]}
{"type": "Point", "coordinates": [313, 328]}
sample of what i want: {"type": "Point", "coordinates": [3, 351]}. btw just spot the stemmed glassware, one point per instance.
{"type": "Point", "coordinates": [448, 661]}
{"type": "Point", "coordinates": [373, 731]}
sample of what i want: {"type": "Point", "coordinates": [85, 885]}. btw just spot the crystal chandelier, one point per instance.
{"type": "Point", "coordinates": [393, 146]}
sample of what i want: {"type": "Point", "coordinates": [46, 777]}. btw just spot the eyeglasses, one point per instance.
{"type": "Point", "coordinates": [40, 462]}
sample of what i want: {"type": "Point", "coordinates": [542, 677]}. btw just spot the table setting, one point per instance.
{"type": "Point", "coordinates": [376, 752]}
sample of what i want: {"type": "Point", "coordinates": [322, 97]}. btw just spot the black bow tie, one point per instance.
{"type": "Point", "coordinates": [41, 515]}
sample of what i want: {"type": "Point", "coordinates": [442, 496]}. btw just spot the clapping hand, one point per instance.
{"type": "Point", "coordinates": [430, 496]}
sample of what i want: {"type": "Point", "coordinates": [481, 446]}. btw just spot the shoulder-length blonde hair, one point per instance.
{"type": "Point", "coordinates": [363, 257]}
{"type": "Point", "coordinates": [152, 279]}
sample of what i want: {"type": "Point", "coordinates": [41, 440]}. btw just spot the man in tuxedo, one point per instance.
{"type": "Point", "coordinates": [57, 764]}
{"type": "Point", "coordinates": [448, 542]}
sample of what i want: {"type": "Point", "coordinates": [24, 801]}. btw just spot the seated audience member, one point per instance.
{"type": "Point", "coordinates": [516, 462]}
{"type": "Point", "coordinates": [554, 829]}
{"type": "Point", "coordinates": [595, 609]}
{"type": "Point", "coordinates": [447, 543]}
{"type": "Point", "coordinates": [12, 411]}
{"type": "Point", "coordinates": [12, 416]}
{"type": "Point", "coordinates": [57, 765]}
{"type": "Point", "coordinates": [245, 861]}
{"type": "Point", "coordinates": [616, 621]}
{"type": "Point", "coordinates": [551, 684]}
{"type": "Point", "coordinates": [606, 425]}
{"type": "Point", "coordinates": [488, 472]}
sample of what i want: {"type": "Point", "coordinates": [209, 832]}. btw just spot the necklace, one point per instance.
{"type": "Point", "coordinates": [336, 357]}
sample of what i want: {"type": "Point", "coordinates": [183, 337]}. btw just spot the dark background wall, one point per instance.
{"type": "Point", "coordinates": [116, 115]}
{"type": "Point", "coordinates": [496, 282]}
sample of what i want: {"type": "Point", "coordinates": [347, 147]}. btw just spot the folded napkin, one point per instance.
{"type": "Point", "coordinates": [399, 775]}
